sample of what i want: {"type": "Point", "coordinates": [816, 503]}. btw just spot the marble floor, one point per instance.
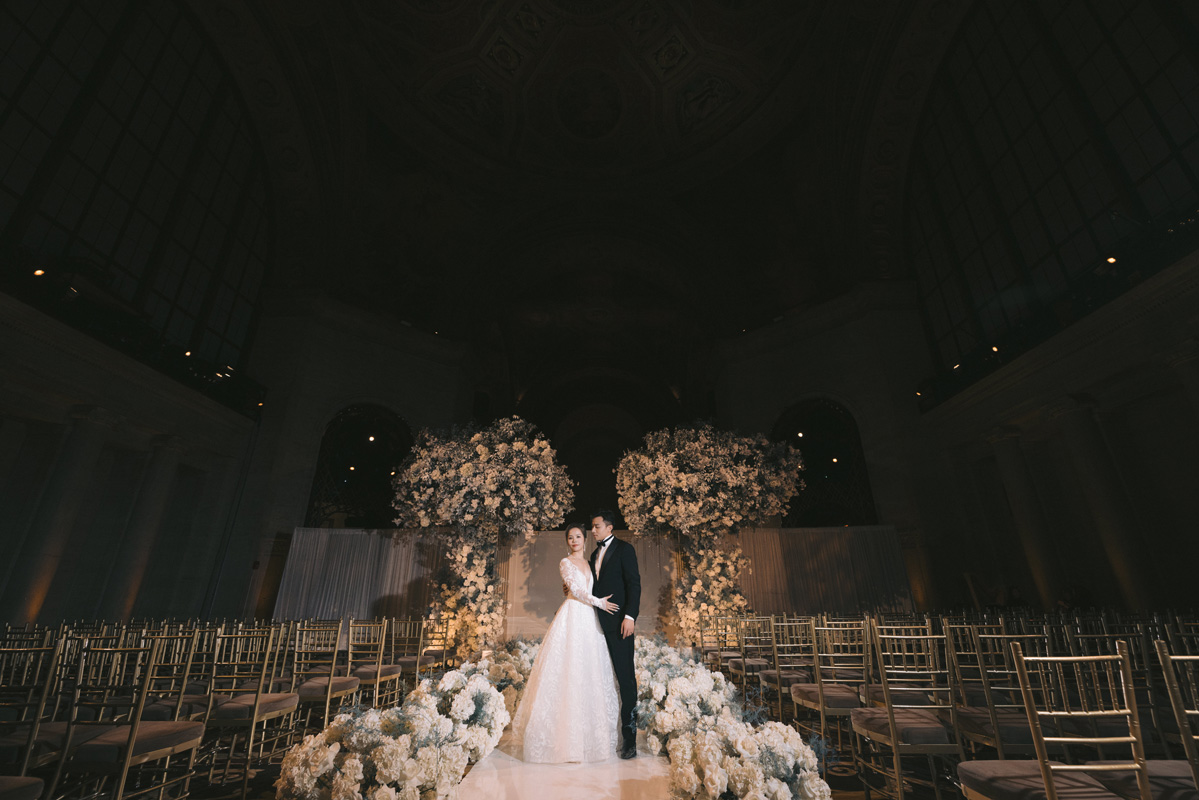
{"type": "Point", "coordinates": [502, 776]}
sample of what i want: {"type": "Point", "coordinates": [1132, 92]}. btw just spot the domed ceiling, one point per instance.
{"type": "Point", "coordinates": [640, 91]}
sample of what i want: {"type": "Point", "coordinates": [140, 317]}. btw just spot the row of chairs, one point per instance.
{"type": "Point", "coordinates": [888, 691]}
{"type": "Point", "coordinates": [127, 710]}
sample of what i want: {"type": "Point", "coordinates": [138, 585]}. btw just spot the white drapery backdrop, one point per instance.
{"type": "Point", "coordinates": [344, 572]}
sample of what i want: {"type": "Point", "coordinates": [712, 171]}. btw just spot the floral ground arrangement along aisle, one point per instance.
{"type": "Point", "coordinates": [420, 751]}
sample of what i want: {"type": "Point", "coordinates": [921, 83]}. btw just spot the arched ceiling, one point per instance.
{"type": "Point", "coordinates": [625, 181]}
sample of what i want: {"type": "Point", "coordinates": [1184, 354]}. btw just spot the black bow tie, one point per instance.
{"type": "Point", "coordinates": [604, 543]}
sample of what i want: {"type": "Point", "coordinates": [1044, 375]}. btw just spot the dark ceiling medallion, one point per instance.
{"type": "Point", "coordinates": [589, 103]}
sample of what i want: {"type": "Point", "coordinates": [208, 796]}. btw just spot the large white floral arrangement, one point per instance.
{"type": "Point", "coordinates": [418, 751]}
{"type": "Point", "coordinates": [477, 488]}
{"type": "Point", "coordinates": [702, 483]}
{"type": "Point", "coordinates": [507, 669]}
{"type": "Point", "coordinates": [691, 714]}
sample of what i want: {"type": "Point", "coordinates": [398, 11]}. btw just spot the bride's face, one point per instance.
{"type": "Point", "coordinates": [575, 539]}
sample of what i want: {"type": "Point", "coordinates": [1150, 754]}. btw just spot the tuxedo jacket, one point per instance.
{"type": "Point", "coordinates": [618, 576]}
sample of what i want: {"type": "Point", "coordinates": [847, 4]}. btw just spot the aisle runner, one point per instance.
{"type": "Point", "coordinates": [502, 776]}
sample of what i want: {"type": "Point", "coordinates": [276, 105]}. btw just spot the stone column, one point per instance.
{"type": "Point", "coordinates": [12, 437]}
{"type": "Point", "coordinates": [50, 531]}
{"type": "Point", "coordinates": [1111, 509]}
{"type": "Point", "coordinates": [1022, 498]}
{"type": "Point", "coordinates": [133, 556]}
{"type": "Point", "coordinates": [1185, 363]}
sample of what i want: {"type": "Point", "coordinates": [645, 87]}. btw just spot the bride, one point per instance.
{"type": "Point", "coordinates": [570, 708]}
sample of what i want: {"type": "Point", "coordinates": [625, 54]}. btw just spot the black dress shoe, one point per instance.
{"type": "Point", "coordinates": [628, 752]}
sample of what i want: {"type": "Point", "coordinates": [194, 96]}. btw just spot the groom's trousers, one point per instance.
{"type": "Point", "coordinates": [621, 651]}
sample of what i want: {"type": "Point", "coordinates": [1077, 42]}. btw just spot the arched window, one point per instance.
{"type": "Point", "coordinates": [837, 488]}
{"type": "Point", "coordinates": [1058, 149]}
{"type": "Point", "coordinates": [132, 185]}
{"type": "Point", "coordinates": [360, 451]}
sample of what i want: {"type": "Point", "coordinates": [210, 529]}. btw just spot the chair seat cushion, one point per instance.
{"type": "Point", "coordinates": [373, 674]}
{"type": "Point", "coordinates": [409, 662]}
{"type": "Point", "coordinates": [976, 722]}
{"type": "Point", "coordinates": [836, 695]}
{"type": "Point", "coordinates": [14, 788]}
{"type": "Point", "coordinates": [786, 677]}
{"type": "Point", "coordinates": [314, 690]}
{"type": "Point", "coordinates": [912, 725]}
{"type": "Point", "coordinates": [749, 666]}
{"type": "Point", "coordinates": [241, 706]}
{"type": "Point", "coordinates": [1168, 780]}
{"type": "Point", "coordinates": [50, 739]}
{"type": "Point", "coordinates": [1021, 780]}
{"type": "Point", "coordinates": [152, 736]}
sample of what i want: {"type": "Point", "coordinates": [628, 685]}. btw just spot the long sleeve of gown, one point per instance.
{"type": "Point", "coordinates": [577, 585]}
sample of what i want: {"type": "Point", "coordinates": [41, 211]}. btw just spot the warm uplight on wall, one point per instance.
{"type": "Point", "coordinates": [39, 272]}
{"type": "Point", "coordinates": [1111, 259]}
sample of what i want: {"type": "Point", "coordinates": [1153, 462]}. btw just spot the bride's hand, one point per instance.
{"type": "Point", "coordinates": [609, 606]}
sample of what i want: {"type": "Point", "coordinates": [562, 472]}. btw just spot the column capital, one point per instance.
{"type": "Point", "coordinates": [1071, 405]}
{"type": "Point", "coordinates": [1001, 433]}
{"type": "Point", "coordinates": [167, 441]}
{"type": "Point", "coordinates": [94, 414]}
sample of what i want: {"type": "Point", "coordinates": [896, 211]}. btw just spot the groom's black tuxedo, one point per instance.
{"type": "Point", "coordinates": [618, 576]}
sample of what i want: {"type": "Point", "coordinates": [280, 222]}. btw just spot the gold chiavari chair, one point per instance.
{"type": "Point", "coordinates": [720, 642]}
{"type": "Point", "coordinates": [841, 667]}
{"type": "Point", "coordinates": [437, 644]}
{"type": "Point", "coordinates": [243, 716]}
{"type": "Point", "coordinates": [1181, 674]}
{"type": "Point", "coordinates": [406, 642]}
{"type": "Point", "coordinates": [755, 641]}
{"type": "Point", "coordinates": [791, 661]}
{"type": "Point", "coordinates": [914, 682]}
{"type": "Point", "coordinates": [29, 738]}
{"type": "Point", "coordinates": [1065, 698]}
{"type": "Point", "coordinates": [110, 747]}
{"type": "Point", "coordinates": [322, 691]}
{"type": "Point", "coordinates": [378, 681]}
{"type": "Point", "coordinates": [990, 709]}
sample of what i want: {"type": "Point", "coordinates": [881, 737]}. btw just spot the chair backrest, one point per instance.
{"type": "Point", "coordinates": [842, 654]}
{"type": "Point", "coordinates": [1079, 700]}
{"type": "Point", "coordinates": [911, 658]}
{"type": "Point", "coordinates": [316, 645]}
{"type": "Point", "coordinates": [756, 637]}
{"type": "Point", "coordinates": [28, 677]}
{"type": "Point", "coordinates": [175, 670]}
{"type": "Point", "coordinates": [1182, 685]}
{"type": "Point", "coordinates": [366, 642]}
{"type": "Point", "coordinates": [404, 638]}
{"type": "Point", "coordinates": [794, 643]}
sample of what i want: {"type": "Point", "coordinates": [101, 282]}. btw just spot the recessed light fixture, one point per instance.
{"type": "Point", "coordinates": [994, 349]}
{"type": "Point", "coordinates": [1111, 259]}
{"type": "Point", "coordinates": [39, 272]}
{"type": "Point", "coordinates": [351, 469]}
{"type": "Point", "coordinates": [188, 353]}
{"type": "Point", "coordinates": [370, 438]}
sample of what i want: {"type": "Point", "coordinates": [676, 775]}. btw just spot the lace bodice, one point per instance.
{"type": "Point", "coordinates": [578, 583]}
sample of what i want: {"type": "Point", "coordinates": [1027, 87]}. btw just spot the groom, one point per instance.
{"type": "Point", "coordinates": [614, 567]}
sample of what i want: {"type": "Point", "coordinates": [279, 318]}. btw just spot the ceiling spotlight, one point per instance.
{"type": "Point", "coordinates": [918, 394]}
{"type": "Point", "coordinates": [955, 366]}
{"type": "Point", "coordinates": [1111, 259]}
{"type": "Point", "coordinates": [994, 349]}
{"type": "Point", "coordinates": [260, 405]}
{"type": "Point", "coordinates": [370, 438]}
{"type": "Point", "coordinates": [351, 469]}
{"type": "Point", "coordinates": [800, 434]}
{"type": "Point", "coordinates": [393, 472]}
{"type": "Point", "coordinates": [834, 461]}
{"type": "Point", "coordinates": [188, 353]}
{"type": "Point", "coordinates": [39, 272]}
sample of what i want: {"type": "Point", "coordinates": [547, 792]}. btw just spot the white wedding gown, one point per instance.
{"type": "Point", "coordinates": [570, 709]}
